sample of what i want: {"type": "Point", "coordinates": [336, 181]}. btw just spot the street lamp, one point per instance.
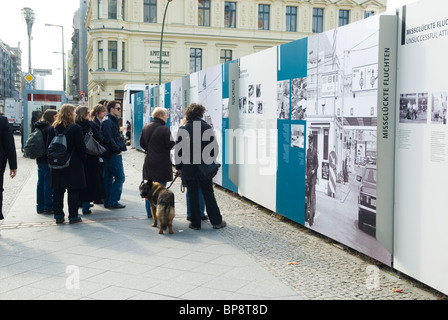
{"type": "Point", "coordinates": [28, 15]}
{"type": "Point", "coordinates": [161, 41]}
{"type": "Point", "coordinates": [63, 53]}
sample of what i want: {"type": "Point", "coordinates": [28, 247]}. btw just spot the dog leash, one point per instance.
{"type": "Point", "coordinates": [175, 177]}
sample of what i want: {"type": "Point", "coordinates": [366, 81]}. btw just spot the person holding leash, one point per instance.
{"type": "Point", "coordinates": [157, 142]}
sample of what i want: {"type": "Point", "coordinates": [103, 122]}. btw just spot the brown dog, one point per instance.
{"type": "Point", "coordinates": [162, 204]}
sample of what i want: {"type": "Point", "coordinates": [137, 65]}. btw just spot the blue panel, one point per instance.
{"type": "Point", "coordinates": [226, 182]}
{"type": "Point", "coordinates": [292, 60]}
{"type": "Point", "coordinates": [290, 173]}
{"type": "Point", "coordinates": [138, 118]}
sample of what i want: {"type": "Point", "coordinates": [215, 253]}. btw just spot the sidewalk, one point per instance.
{"type": "Point", "coordinates": [117, 254]}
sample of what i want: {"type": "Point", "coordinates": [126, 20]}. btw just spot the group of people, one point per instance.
{"type": "Point", "coordinates": [88, 178]}
{"type": "Point", "coordinates": [157, 141]}
{"type": "Point", "coordinates": [99, 179]}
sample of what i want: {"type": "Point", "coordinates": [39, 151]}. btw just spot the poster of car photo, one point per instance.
{"type": "Point", "coordinates": [340, 97]}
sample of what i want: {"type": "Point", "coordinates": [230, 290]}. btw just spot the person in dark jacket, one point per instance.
{"type": "Point", "coordinates": [196, 144]}
{"type": "Point", "coordinates": [71, 178]}
{"type": "Point", "coordinates": [97, 115]}
{"type": "Point", "coordinates": [44, 194]}
{"type": "Point", "coordinates": [157, 141]}
{"type": "Point", "coordinates": [7, 155]}
{"type": "Point", "coordinates": [95, 188]}
{"type": "Point", "coordinates": [113, 163]}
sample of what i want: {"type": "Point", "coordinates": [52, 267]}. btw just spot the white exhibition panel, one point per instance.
{"type": "Point", "coordinates": [421, 176]}
{"type": "Point", "coordinates": [258, 84]}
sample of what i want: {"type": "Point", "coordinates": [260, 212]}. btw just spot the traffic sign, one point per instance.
{"type": "Point", "coordinates": [29, 77]}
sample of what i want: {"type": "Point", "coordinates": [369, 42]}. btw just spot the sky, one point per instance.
{"type": "Point", "coordinates": [46, 40]}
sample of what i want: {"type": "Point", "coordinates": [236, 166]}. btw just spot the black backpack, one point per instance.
{"type": "Point", "coordinates": [35, 145]}
{"type": "Point", "coordinates": [57, 152]}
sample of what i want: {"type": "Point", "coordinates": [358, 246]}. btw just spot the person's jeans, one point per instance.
{"type": "Point", "coordinates": [44, 194]}
{"type": "Point", "coordinates": [148, 205]}
{"type": "Point", "coordinates": [113, 180]}
{"type": "Point", "coordinates": [201, 203]}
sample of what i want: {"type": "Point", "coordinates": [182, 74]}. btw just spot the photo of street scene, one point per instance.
{"type": "Point", "coordinates": [438, 107]}
{"type": "Point", "coordinates": [413, 108]}
{"type": "Point", "coordinates": [340, 97]}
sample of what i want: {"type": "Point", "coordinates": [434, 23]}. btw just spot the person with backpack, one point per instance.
{"type": "Point", "coordinates": [44, 194]}
{"type": "Point", "coordinates": [66, 156]}
{"type": "Point", "coordinates": [95, 188]}
{"type": "Point", "coordinates": [113, 162]}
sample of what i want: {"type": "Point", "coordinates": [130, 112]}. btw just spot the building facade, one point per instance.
{"type": "Point", "coordinates": [124, 36]}
{"type": "Point", "coordinates": [77, 71]}
{"type": "Point", "coordinates": [10, 72]}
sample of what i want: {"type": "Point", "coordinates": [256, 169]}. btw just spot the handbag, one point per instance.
{"type": "Point", "coordinates": [93, 147]}
{"type": "Point", "coordinates": [208, 171]}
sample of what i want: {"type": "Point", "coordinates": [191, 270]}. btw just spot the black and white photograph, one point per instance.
{"type": "Point", "coordinates": [298, 98]}
{"type": "Point", "coordinates": [250, 91]}
{"type": "Point", "coordinates": [413, 108]}
{"type": "Point", "coordinates": [283, 99]}
{"type": "Point", "coordinates": [259, 106]}
{"type": "Point", "coordinates": [343, 127]}
{"type": "Point", "coordinates": [298, 136]}
{"type": "Point", "coordinates": [438, 107]}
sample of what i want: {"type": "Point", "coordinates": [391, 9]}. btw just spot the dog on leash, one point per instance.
{"type": "Point", "coordinates": [161, 200]}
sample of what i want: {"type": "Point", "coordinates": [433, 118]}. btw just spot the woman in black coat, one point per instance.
{"type": "Point", "coordinates": [71, 178]}
{"type": "Point", "coordinates": [157, 141]}
{"type": "Point", "coordinates": [195, 137]}
{"type": "Point", "coordinates": [95, 187]}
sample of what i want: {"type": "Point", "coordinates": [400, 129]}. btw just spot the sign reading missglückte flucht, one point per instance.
{"type": "Point", "coordinates": [386, 93]}
{"type": "Point", "coordinates": [427, 31]}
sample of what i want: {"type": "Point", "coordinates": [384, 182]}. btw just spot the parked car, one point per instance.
{"type": "Point", "coordinates": [367, 199]}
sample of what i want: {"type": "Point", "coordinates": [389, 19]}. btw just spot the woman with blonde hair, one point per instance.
{"type": "Point", "coordinates": [71, 178]}
{"type": "Point", "coordinates": [95, 188]}
{"type": "Point", "coordinates": [157, 142]}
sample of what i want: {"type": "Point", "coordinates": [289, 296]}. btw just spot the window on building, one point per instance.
{"type": "Point", "coordinates": [204, 13]}
{"type": "Point", "coordinates": [123, 56]}
{"type": "Point", "coordinates": [318, 20]}
{"type": "Point", "coordinates": [291, 18]}
{"type": "Point", "coordinates": [368, 14]}
{"type": "Point", "coordinates": [195, 59]}
{"type": "Point", "coordinates": [113, 55]}
{"type": "Point", "coordinates": [150, 11]}
{"type": "Point", "coordinates": [225, 56]}
{"type": "Point", "coordinates": [100, 55]}
{"type": "Point", "coordinates": [230, 14]}
{"type": "Point", "coordinates": [112, 9]}
{"type": "Point", "coordinates": [100, 9]}
{"type": "Point", "coordinates": [343, 17]}
{"type": "Point", "coordinates": [123, 10]}
{"type": "Point", "coordinates": [263, 16]}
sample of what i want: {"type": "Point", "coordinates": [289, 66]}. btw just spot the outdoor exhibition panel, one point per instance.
{"type": "Point", "coordinates": [421, 175]}
{"type": "Point", "coordinates": [372, 98]}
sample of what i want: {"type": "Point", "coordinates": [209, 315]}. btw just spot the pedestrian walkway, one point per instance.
{"type": "Point", "coordinates": [117, 254]}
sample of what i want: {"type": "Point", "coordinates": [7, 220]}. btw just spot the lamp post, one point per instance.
{"type": "Point", "coordinates": [63, 53]}
{"type": "Point", "coordinates": [161, 41]}
{"type": "Point", "coordinates": [28, 15]}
